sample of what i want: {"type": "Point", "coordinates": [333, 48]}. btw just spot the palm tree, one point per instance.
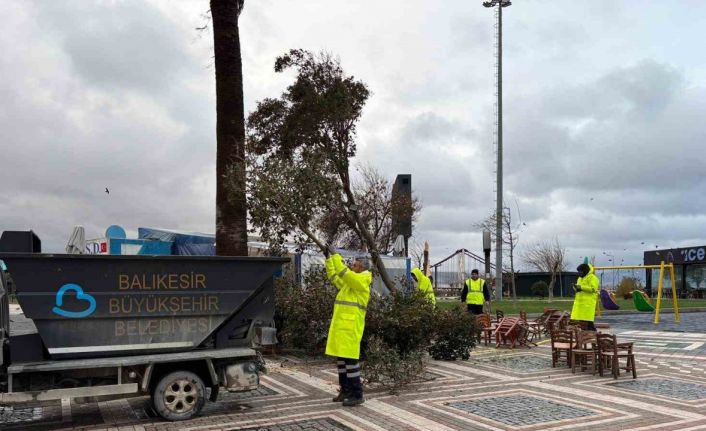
{"type": "Point", "coordinates": [231, 210]}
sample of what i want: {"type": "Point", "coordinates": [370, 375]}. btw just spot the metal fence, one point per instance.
{"type": "Point", "coordinates": [450, 273]}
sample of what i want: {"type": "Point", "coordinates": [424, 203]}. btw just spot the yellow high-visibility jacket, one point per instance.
{"type": "Point", "coordinates": [475, 291]}
{"type": "Point", "coordinates": [424, 284]}
{"type": "Point", "coordinates": [585, 302]}
{"type": "Point", "coordinates": [349, 309]}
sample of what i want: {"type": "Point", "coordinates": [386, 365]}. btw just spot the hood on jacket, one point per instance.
{"type": "Point", "coordinates": [419, 274]}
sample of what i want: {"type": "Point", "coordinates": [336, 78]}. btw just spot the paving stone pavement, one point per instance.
{"type": "Point", "coordinates": [497, 389]}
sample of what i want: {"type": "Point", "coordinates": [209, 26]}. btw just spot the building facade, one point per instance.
{"type": "Point", "coordinates": [690, 267]}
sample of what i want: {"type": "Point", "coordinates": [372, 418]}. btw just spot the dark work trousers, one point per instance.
{"type": "Point", "coordinates": [475, 308]}
{"type": "Point", "coordinates": [589, 325]}
{"type": "Point", "coordinates": [349, 377]}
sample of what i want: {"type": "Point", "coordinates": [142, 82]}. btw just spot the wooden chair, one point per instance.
{"type": "Point", "coordinates": [525, 338]}
{"type": "Point", "coordinates": [499, 315]}
{"type": "Point", "coordinates": [610, 352]}
{"type": "Point", "coordinates": [537, 326]}
{"type": "Point", "coordinates": [556, 320]}
{"type": "Point", "coordinates": [586, 349]}
{"type": "Point", "coordinates": [562, 341]}
{"type": "Point", "coordinates": [507, 332]}
{"type": "Point", "coordinates": [485, 326]}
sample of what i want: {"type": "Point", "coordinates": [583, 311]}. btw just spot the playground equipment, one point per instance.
{"type": "Point", "coordinates": [641, 302]}
{"type": "Point", "coordinates": [607, 301]}
{"type": "Point", "coordinates": [663, 267]}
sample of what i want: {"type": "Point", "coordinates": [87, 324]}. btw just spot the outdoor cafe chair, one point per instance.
{"type": "Point", "coordinates": [610, 352]}
{"type": "Point", "coordinates": [485, 326]}
{"type": "Point", "coordinates": [562, 341]}
{"type": "Point", "coordinates": [586, 352]}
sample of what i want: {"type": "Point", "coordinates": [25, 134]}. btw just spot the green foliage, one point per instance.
{"type": "Point", "coordinates": [400, 329]}
{"type": "Point", "coordinates": [626, 286]}
{"type": "Point", "coordinates": [455, 334]}
{"type": "Point", "coordinates": [386, 367]}
{"type": "Point", "coordinates": [298, 148]}
{"type": "Point", "coordinates": [303, 314]}
{"type": "Point", "coordinates": [540, 289]}
{"type": "Point", "coordinates": [403, 321]}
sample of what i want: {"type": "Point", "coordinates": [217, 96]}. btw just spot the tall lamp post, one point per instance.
{"type": "Point", "coordinates": [499, 171]}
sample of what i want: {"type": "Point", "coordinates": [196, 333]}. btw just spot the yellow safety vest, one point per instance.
{"type": "Point", "coordinates": [475, 291]}
{"type": "Point", "coordinates": [585, 302]}
{"type": "Point", "coordinates": [349, 309]}
{"type": "Point", "coordinates": [424, 284]}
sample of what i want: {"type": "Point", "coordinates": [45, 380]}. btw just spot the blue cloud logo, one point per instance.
{"type": "Point", "coordinates": [80, 295]}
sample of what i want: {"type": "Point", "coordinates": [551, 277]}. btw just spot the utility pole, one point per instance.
{"type": "Point", "coordinates": [499, 168]}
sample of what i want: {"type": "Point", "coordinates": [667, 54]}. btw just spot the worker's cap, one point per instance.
{"type": "Point", "coordinates": [475, 271]}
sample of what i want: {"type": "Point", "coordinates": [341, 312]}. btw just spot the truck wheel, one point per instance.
{"type": "Point", "coordinates": [179, 395]}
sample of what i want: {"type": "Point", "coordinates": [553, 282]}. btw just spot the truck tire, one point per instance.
{"type": "Point", "coordinates": [179, 395]}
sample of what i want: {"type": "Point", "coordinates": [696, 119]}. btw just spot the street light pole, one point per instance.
{"type": "Point", "coordinates": [499, 171]}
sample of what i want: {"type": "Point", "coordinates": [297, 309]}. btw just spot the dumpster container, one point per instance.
{"type": "Point", "coordinates": [88, 306]}
{"type": "Point", "coordinates": [129, 325]}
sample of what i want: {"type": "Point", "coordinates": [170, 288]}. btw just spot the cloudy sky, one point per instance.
{"type": "Point", "coordinates": [604, 113]}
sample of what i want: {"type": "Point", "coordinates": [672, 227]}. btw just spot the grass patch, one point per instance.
{"type": "Point", "coordinates": [537, 305]}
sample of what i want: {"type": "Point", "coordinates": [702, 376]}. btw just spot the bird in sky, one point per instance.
{"type": "Point", "coordinates": [107, 191]}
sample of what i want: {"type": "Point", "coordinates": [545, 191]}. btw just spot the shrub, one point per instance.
{"type": "Point", "coordinates": [626, 286]}
{"type": "Point", "coordinates": [540, 289]}
{"type": "Point", "coordinates": [385, 366]}
{"type": "Point", "coordinates": [455, 334]}
{"type": "Point", "coordinates": [303, 314]}
{"type": "Point", "coordinates": [399, 329]}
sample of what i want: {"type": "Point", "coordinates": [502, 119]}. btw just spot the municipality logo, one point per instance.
{"type": "Point", "coordinates": [88, 300]}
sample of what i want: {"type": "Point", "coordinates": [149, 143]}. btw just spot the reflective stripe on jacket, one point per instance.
{"type": "Point", "coordinates": [475, 291]}
{"type": "Point", "coordinates": [348, 320]}
{"type": "Point", "coordinates": [585, 302]}
{"type": "Point", "coordinates": [424, 284]}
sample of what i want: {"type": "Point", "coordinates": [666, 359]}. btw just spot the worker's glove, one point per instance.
{"type": "Point", "coordinates": [577, 288]}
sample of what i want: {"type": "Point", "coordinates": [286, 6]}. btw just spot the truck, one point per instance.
{"type": "Point", "coordinates": [177, 328]}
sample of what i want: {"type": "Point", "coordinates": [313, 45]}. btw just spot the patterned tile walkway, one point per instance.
{"type": "Point", "coordinates": [494, 390]}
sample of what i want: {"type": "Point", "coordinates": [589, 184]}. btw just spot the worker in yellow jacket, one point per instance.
{"type": "Point", "coordinates": [424, 284]}
{"type": "Point", "coordinates": [586, 289]}
{"type": "Point", "coordinates": [475, 293]}
{"type": "Point", "coordinates": [348, 322]}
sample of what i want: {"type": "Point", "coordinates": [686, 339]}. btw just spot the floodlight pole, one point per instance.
{"type": "Point", "coordinates": [499, 180]}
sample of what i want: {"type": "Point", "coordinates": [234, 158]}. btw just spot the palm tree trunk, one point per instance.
{"type": "Point", "coordinates": [231, 209]}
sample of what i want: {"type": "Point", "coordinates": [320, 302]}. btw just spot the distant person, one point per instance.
{"type": "Point", "coordinates": [348, 323]}
{"type": "Point", "coordinates": [586, 288]}
{"type": "Point", "coordinates": [424, 284]}
{"type": "Point", "coordinates": [475, 293]}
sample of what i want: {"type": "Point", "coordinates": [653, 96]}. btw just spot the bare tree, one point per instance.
{"type": "Point", "coordinates": [510, 241]}
{"type": "Point", "coordinates": [416, 253]}
{"type": "Point", "coordinates": [373, 194]}
{"type": "Point", "coordinates": [546, 256]}
{"type": "Point", "coordinates": [231, 205]}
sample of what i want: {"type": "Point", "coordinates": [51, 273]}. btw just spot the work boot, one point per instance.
{"type": "Point", "coordinates": [351, 401]}
{"type": "Point", "coordinates": [342, 395]}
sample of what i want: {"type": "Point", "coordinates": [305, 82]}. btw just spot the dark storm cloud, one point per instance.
{"type": "Point", "coordinates": [104, 101]}
{"type": "Point", "coordinates": [604, 107]}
